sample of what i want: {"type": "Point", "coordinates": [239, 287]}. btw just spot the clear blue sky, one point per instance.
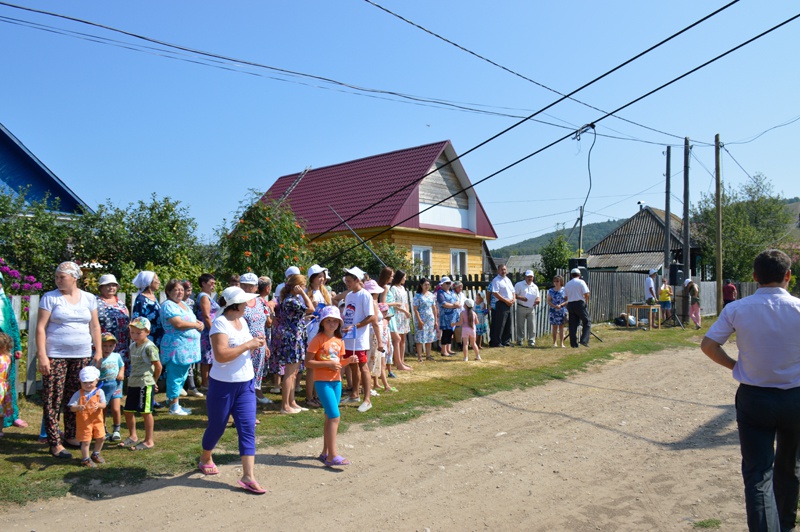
{"type": "Point", "coordinates": [120, 124]}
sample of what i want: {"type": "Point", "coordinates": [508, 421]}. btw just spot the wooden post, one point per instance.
{"type": "Point", "coordinates": [687, 250]}
{"type": "Point", "coordinates": [33, 319]}
{"type": "Point", "coordinates": [667, 216]}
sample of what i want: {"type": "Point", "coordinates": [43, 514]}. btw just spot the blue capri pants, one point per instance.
{"type": "Point", "coordinates": [175, 375]}
{"type": "Point", "coordinates": [329, 393]}
{"type": "Point", "coordinates": [237, 399]}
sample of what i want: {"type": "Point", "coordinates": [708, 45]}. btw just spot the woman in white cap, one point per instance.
{"type": "Point", "coordinates": [231, 387]}
{"type": "Point", "coordinates": [66, 330]}
{"type": "Point", "coordinates": [255, 314]}
{"type": "Point", "coordinates": [321, 298]}
{"type": "Point", "coordinates": [113, 316]}
{"type": "Point", "coordinates": [449, 308]}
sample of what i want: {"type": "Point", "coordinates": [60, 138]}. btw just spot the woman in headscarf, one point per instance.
{"type": "Point", "coordinates": [145, 303]}
{"type": "Point", "coordinates": [67, 328]}
{"type": "Point", "coordinates": [8, 325]}
{"type": "Point", "coordinates": [113, 316]}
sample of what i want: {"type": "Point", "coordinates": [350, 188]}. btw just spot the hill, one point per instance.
{"type": "Point", "coordinates": [592, 234]}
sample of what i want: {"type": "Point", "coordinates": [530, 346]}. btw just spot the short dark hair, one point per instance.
{"type": "Point", "coordinates": [770, 266]}
{"type": "Point", "coordinates": [422, 281]}
{"type": "Point", "coordinates": [204, 278]}
{"type": "Point", "coordinates": [172, 285]}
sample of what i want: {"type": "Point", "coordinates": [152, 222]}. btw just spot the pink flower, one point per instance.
{"type": "Point", "coordinates": [14, 274]}
{"type": "Point", "coordinates": [15, 286]}
{"type": "Point", "coordinates": [26, 298]}
{"type": "Point", "coordinates": [26, 286]}
{"type": "Point", "coordinates": [5, 269]}
{"type": "Point", "coordinates": [36, 286]}
{"type": "Point", "coordinates": [30, 278]}
{"type": "Point", "coordinates": [25, 309]}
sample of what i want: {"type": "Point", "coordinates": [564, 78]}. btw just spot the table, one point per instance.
{"type": "Point", "coordinates": [633, 309]}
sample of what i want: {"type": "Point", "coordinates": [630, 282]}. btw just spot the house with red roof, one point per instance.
{"type": "Point", "coordinates": [449, 237]}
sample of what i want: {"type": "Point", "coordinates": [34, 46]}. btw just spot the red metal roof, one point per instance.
{"type": "Point", "coordinates": [351, 186]}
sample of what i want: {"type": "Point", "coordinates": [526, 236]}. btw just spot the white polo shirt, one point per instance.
{"type": "Point", "coordinates": [575, 289]}
{"type": "Point", "coordinates": [528, 291]}
{"type": "Point", "coordinates": [767, 327]}
{"type": "Point", "coordinates": [502, 286]}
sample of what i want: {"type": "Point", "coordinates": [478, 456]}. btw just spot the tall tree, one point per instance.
{"type": "Point", "coordinates": [753, 219]}
{"type": "Point", "coordinates": [555, 255]}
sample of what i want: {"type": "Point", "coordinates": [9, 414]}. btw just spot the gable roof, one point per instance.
{"type": "Point", "coordinates": [521, 263]}
{"type": "Point", "coordinates": [19, 168]}
{"type": "Point", "coordinates": [394, 174]}
{"type": "Point", "coordinates": [642, 233]}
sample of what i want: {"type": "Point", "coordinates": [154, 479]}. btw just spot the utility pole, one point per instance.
{"type": "Point", "coordinates": [687, 250]}
{"type": "Point", "coordinates": [667, 217]}
{"type": "Point", "coordinates": [580, 234]}
{"type": "Point", "coordinates": [718, 199]}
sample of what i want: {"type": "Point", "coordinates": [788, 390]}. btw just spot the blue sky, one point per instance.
{"type": "Point", "coordinates": [120, 124]}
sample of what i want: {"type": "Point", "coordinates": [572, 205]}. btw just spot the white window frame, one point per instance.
{"type": "Point", "coordinates": [455, 265]}
{"type": "Point", "coordinates": [418, 256]}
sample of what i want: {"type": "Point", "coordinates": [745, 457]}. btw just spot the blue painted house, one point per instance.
{"type": "Point", "coordinates": [19, 168]}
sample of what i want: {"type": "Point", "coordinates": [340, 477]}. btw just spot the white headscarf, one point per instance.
{"type": "Point", "coordinates": [70, 268]}
{"type": "Point", "coordinates": [142, 280]}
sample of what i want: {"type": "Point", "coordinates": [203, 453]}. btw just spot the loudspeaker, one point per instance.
{"type": "Point", "coordinates": [579, 263]}
{"type": "Point", "coordinates": [676, 275]}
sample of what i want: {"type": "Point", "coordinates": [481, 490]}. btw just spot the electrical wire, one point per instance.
{"type": "Point", "coordinates": [724, 147]}
{"type": "Point", "coordinates": [787, 123]}
{"type": "Point", "coordinates": [548, 146]}
{"type": "Point", "coordinates": [526, 78]}
{"type": "Point", "coordinates": [535, 217]}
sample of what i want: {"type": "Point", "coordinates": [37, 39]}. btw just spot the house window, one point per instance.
{"type": "Point", "coordinates": [422, 259]}
{"type": "Point", "coordinates": [458, 261]}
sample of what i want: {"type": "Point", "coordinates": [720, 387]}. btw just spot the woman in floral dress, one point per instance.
{"type": "Point", "coordinates": [558, 312]}
{"type": "Point", "coordinates": [427, 317]}
{"type": "Point", "coordinates": [289, 340]}
{"type": "Point", "coordinates": [206, 309]}
{"type": "Point", "coordinates": [114, 317]}
{"type": "Point", "coordinates": [255, 314]}
{"type": "Point", "coordinates": [400, 323]}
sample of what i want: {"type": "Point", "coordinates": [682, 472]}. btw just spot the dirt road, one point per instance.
{"type": "Point", "coordinates": [638, 443]}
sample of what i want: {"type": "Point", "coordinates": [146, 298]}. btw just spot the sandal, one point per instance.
{"type": "Point", "coordinates": [323, 457]}
{"type": "Point", "coordinates": [208, 469]}
{"type": "Point", "coordinates": [337, 461]}
{"type": "Point", "coordinates": [128, 442]}
{"type": "Point", "coordinates": [252, 487]}
{"type": "Point", "coordinates": [140, 447]}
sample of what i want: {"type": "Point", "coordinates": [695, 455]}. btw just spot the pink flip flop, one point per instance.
{"type": "Point", "coordinates": [207, 469]}
{"type": "Point", "coordinates": [252, 487]}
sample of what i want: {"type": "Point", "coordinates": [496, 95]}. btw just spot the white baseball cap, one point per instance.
{"type": "Point", "coordinates": [248, 278]}
{"type": "Point", "coordinates": [687, 281]}
{"type": "Point", "coordinates": [528, 273]}
{"type": "Point", "coordinates": [356, 272]}
{"type": "Point", "coordinates": [292, 270]}
{"type": "Point", "coordinates": [574, 271]}
{"type": "Point", "coordinates": [315, 269]}
{"type": "Point", "coordinates": [652, 272]}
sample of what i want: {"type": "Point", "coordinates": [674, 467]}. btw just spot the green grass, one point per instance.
{"type": "Point", "coordinates": [708, 523]}
{"type": "Point", "coordinates": [28, 472]}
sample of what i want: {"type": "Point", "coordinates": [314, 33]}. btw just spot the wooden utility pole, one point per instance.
{"type": "Point", "coordinates": [667, 218]}
{"type": "Point", "coordinates": [580, 235]}
{"type": "Point", "coordinates": [718, 199]}
{"type": "Point", "coordinates": [687, 250]}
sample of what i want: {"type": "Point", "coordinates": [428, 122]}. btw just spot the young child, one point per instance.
{"type": "Point", "coordinates": [6, 352]}
{"type": "Point", "coordinates": [112, 373]}
{"type": "Point", "coordinates": [482, 312]}
{"type": "Point", "coordinates": [145, 370]}
{"type": "Point", "coordinates": [88, 404]}
{"type": "Point", "coordinates": [468, 320]}
{"type": "Point", "coordinates": [324, 357]}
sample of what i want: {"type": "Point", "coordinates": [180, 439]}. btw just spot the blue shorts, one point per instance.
{"type": "Point", "coordinates": [329, 394]}
{"type": "Point", "coordinates": [665, 305]}
{"type": "Point", "coordinates": [112, 389]}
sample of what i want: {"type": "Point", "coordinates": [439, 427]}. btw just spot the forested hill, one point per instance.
{"type": "Point", "coordinates": [592, 234]}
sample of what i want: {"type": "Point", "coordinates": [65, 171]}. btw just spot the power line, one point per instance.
{"type": "Point", "coordinates": [526, 78]}
{"type": "Point", "coordinates": [535, 217]}
{"type": "Point", "coordinates": [543, 109]}
{"type": "Point", "coordinates": [789, 122]}
{"type": "Point", "coordinates": [737, 162]}
{"type": "Point", "coordinates": [625, 106]}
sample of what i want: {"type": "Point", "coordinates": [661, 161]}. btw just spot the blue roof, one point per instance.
{"type": "Point", "coordinates": [19, 168]}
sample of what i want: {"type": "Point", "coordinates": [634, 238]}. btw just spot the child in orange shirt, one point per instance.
{"type": "Point", "coordinates": [88, 404]}
{"type": "Point", "coordinates": [324, 357]}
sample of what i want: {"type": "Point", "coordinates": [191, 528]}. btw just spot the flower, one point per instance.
{"type": "Point", "coordinates": [241, 221]}
{"type": "Point", "coordinates": [5, 269]}
{"type": "Point", "coordinates": [14, 274]}
{"type": "Point", "coordinates": [15, 286]}
{"type": "Point", "coordinates": [36, 286]}
{"type": "Point", "coordinates": [26, 286]}
{"type": "Point", "coordinates": [30, 278]}
{"type": "Point", "coordinates": [25, 309]}
{"type": "Point", "coordinates": [248, 253]}
{"type": "Point", "coordinates": [26, 298]}
{"type": "Point", "coordinates": [281, 245]}
{"type": "Point", "coordinates": [296, 259]}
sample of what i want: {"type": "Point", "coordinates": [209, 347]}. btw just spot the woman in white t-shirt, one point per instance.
{"type": "Point", "coordinates": [231, 387]}
{"type": "Point", "coordinates": [67, 328]}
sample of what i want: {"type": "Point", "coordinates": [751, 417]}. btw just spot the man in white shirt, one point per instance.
{"type": "Point", "coordinates": [527, 299]}
{"type": "Point", "coordinates": [503, 299]}
{"type": "Point", "coordinates": [650, 296]}
{"type": "Point", "coordinates": [767, 327]}
{"type": "Point", "coordinates": [359, 314]}
{"type": "Point", "coordinates": [577, 295]}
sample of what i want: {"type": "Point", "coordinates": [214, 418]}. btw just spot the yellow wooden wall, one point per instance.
{"type": "Point", "coordinates": [441, 245]}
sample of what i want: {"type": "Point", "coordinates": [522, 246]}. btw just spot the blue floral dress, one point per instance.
{"type": "Point", "coordinates": [482, 312]}
{"type": "Point", "coordinates": [557, 316]}
{"type": "Point", "coordinates": [206, 356]}
{"type": "Point", "coordinates": [179, 346]}
{"type": "Point", "coordinates": [114, 319]}
{"type": "Point", "coordinates": [424, 305]}
{"type": "Point", "coordinates": [256, 318]}
{"type": "Point", "coordinates": [447, 316]}
{"type": "Point", "coordinates": [289, 340]}
{"type": "Point", "coordinates": [151, 310]}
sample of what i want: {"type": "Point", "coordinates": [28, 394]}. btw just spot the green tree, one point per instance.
{"type": "Point", "coordinates": [555, 255]}
{"type": "Point", "coordinates": [753, 219]}
{"type": "Point", "coordinates": [264, 238]}
{"type": "Point", "coordinates": [328, 253]}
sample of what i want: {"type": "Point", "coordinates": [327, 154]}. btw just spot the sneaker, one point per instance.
{"type": "Point", "coordinates": [365, 406]}
{"type": "Point", "coordinates": [374, 393]}
{"type": "Point", "coordinates": [275, 390]}
{"type": "Point", "coordinates": [115, 436]}
{"type": "Point", "coordinates": [87, 462]}
{"type": "Point", "coordinates": [178, 410]}
{"type": "Point", "coordinates": [531, 343]}
{"type": "Point", "coordinates": [195, 393]}
{"type": "Point", "coordinates": [264, 400]}
{"type": "Point", "coordinates": [97, 459]}
{"type": "Point", "coordinates": [391, 375]}
{"type": "Point", "coordinates": [183, 393]}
